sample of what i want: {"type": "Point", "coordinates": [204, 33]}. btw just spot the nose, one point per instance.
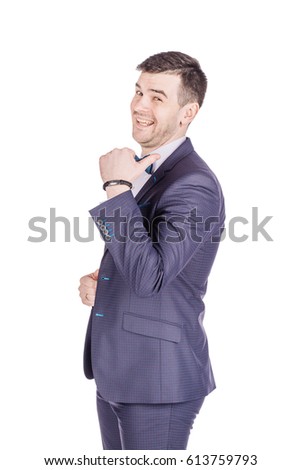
{"type": "Point", "coordinates": [141, 104]}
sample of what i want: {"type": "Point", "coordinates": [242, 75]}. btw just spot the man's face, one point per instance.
{"type": "Point", "coordinates": [156, 114]}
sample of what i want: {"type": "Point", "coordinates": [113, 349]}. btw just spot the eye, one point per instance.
{"type": "Point", "coordinates": [138, 92]}
{"type": "Point", "coordinates": [156, 98]}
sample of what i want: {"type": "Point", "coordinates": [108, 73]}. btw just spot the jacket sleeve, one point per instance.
{"type": "Point", "coordinates": [151, 253]}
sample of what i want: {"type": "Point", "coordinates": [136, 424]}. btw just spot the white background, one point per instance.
{"type": "Point", "coordinates": [67, 77]}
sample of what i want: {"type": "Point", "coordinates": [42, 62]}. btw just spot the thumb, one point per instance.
{"type": "Point", "coordinates": [146, 161]}
{"type": "Point", "coordinates": [95, 274]}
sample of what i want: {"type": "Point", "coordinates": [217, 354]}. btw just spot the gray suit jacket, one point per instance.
{"type": "Point", "coordinates": [145, 340]}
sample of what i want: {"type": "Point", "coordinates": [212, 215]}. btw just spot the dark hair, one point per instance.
{"type": "Point", "coordinates": [193, 79]}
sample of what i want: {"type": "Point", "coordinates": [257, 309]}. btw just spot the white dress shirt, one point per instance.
{"type": "Point", "coordinates": [165, 151]}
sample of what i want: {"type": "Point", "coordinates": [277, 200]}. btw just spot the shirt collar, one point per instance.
{"type": "Point", "coordinates": [166, 150]}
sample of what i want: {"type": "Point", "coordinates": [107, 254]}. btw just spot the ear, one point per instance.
{"type": "Point", "coordinates": [190, 110]}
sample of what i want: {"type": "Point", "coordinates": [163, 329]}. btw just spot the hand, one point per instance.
{"type": "Point", "coordinates": [87, 288]}
{"type": "Point", "coordinates": [120, 164]}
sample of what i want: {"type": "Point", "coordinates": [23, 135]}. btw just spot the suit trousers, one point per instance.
{"type": "Point", "coordinates": [143, 426]}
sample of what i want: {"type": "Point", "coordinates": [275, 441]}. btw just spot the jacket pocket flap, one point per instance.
{"type": "Point", "coordinates": [154, 328]}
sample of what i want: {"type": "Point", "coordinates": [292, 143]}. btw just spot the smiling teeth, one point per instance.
{"type": "Point", "coordinates": [144, 122]}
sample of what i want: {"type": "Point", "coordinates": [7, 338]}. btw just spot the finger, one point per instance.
{"type": "Point", "coordinates": [90, 276]}
{"type": "Point", "coordinates": [87, 290]}
{"type": "Point", "coordinates": [146, 161]}
{"type": "Point", "coordinates": [88, 282]}
{"type": "Point", "coordinates": [85, 278]}
{"type": "Point", "coordinates": [89, 299]}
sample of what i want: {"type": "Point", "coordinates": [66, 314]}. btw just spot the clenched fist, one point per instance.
{"type": "Point", "coordinates": [87, 288]}
{"type": "Point", "coordinates": [120, 164]}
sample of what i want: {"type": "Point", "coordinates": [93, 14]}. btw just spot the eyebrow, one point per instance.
{"type": "Point", "coordinates": [160, 92]}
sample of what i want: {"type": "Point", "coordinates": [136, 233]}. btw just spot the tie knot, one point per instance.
{"type": "Point", "coordinates": [149, 169]}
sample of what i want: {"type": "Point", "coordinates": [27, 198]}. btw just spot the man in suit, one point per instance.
{"type": "Point", "coordinates": [146, 346]}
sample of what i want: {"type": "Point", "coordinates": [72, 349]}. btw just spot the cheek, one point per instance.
{"type": "Point", "coordinates": [176, 117]}
{"type": "Point", "coordinates": [133, 104]}
{"type": "Point", "coordinates": [166, 118]}
{"type": "Point", "coordinates": [162, 115]}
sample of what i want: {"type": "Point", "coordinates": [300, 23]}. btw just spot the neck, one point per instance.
{"type": "Point", "coordinates": [146, 150]}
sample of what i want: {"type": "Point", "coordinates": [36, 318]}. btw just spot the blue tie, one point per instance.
{"type": "Point", "coordinates": [149, 169]}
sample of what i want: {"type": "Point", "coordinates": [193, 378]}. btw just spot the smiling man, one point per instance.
{"type": "Point", "coordinates": [156, 111]}
{"type": "Point", "coordinates": [146, 346]}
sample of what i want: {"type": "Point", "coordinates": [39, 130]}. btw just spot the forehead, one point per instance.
{"type": "Point", "coordinates": [167, 82]}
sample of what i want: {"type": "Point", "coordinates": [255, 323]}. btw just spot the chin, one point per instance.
{"type": "Point", "coordinates": [139, 138]}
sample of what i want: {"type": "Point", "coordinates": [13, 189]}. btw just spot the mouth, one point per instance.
{"type": "Point", "coordinates": [142, 122]}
